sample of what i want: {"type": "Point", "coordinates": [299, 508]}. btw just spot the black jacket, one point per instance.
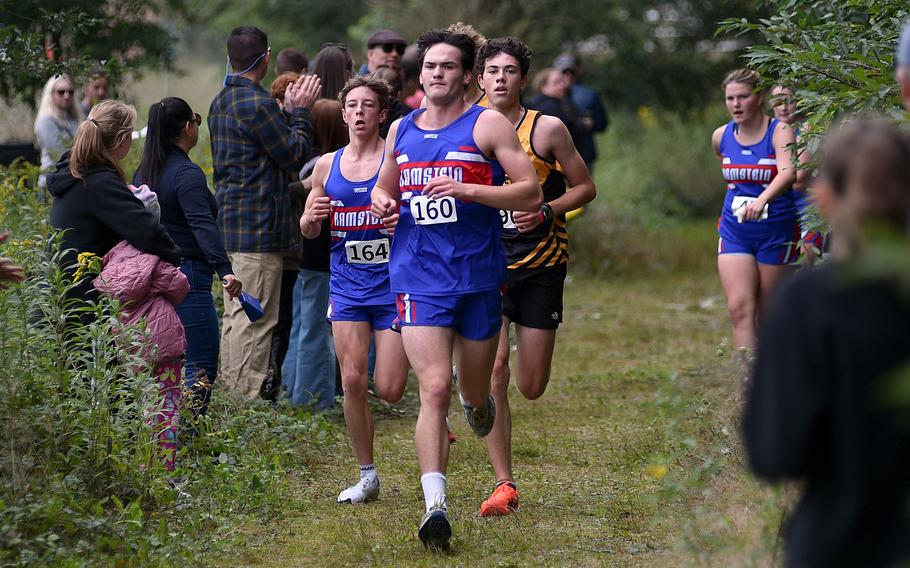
{"type": "Point", "coordinates": [563, 109]}
{"type": "Point", "coordinates": [189, 212]}
{"type": "Point", "coordinates": [397, 109]}
{"type": "Point", "coordinates": [98, 213]}
{"type": "Point", "coordinates": [831, 353]}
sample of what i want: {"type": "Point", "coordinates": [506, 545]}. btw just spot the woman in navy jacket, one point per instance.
{"type": "Point", "coordinates": [189, 213]}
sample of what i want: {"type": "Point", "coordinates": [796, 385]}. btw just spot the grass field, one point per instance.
{"type": "Point", "coordinates": [630, 459]}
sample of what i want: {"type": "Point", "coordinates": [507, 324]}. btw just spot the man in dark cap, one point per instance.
{"type": "Point", "coordinates": [384, 49]}
{"type": "Point", "coordinates": [591, 114]}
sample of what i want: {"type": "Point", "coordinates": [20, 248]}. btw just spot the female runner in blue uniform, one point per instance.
{"type": "Point", "coordinates": [759, 229]}
{"type": "Point", "coordinates": [814, 243]}
{"type": "Point", "coordinates": [360, 300]}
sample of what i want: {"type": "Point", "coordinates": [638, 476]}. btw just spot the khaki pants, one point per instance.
{"type": "Point", "coordinates": [245, 346]}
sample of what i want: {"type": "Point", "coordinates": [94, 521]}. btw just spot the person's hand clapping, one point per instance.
{"type": "Point", "coordinates": [303, 92]}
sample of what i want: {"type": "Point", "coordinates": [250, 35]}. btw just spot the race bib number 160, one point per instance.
{"type": "Point", "coordinates": [427, 211]}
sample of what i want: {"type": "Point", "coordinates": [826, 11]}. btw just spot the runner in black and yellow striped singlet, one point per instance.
{"type": "Point", "coordinates": [536, 251]}
{"type": "Point", "coordinates": [545, 245]}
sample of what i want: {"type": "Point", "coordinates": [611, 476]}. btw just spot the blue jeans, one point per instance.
{"type": "Point", "coordinates": [197, 313]}
{"type": "Point", "coordinates": [308, 372]}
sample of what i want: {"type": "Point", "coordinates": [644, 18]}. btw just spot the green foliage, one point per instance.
{"type": "Point", "coordinates": [81, 476]}
{"type": "Point", "coordinates": [655, 53]}
{"type": "Point", "coordinates": [305, 24]}
{"type": "Point", "coordinates": [39, 39]}
{"type": "Point", "coordinates": [652, 53]}
{"type": "Point", "coordinates": [839, 56]}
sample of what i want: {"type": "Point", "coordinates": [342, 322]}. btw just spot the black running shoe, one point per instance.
{"type": "Point", "coordinates": [480, 418]}
{"type": "Point", "coordinates": [435, 530]}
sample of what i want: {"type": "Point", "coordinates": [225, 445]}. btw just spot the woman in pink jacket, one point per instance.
{"type": "Point", "coordinates": [148, 289]}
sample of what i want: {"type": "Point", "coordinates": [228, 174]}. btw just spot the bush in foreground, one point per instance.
{"type": "Point", "coordinates": [81, 479]}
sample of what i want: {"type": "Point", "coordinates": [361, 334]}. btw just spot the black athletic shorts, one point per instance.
{"type": "Point", "coordinates": [535, 299]}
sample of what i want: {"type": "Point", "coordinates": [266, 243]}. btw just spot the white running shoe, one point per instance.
{"type": "Point", "coordinates": [367, 489]}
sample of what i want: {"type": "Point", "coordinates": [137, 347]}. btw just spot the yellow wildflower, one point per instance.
{"type": "Point", "coordinates": [88, 263]}
{"type": "Point", "coordinates": [647, 117]}
{"type": "Point", "coordinates": [656, 471]}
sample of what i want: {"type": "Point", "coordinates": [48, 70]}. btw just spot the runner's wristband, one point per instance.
{"type": "Point", "coordinates": [545, 214]}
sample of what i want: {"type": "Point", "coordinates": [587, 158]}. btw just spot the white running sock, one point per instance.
{"type": "Point", "coordinates": [368, 471]}
{"type": "Point", "coordinates": [434, 488]}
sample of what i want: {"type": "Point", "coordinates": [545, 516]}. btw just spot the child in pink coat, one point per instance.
{"type": "Point", "coordinates": [149, 289]}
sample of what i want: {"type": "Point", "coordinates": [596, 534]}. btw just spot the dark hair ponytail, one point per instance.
{"type": "Point", "coordinates": [166, 119]}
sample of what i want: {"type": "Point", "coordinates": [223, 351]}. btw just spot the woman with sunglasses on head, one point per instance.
{"type": "Point", "coordinates": [58, 118]}
{"type": "Point", "coordinates": [188, 212]}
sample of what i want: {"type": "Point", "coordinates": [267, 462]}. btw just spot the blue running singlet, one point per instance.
{"type": "Point", "coordinates": [360, 243]}
{"type": "Point", "coordinates": [445, 246]}
{"type": "Point", "coordinates": [748, 170]}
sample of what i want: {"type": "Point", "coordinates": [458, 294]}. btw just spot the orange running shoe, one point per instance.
{"type": "Point", "coordinates": [452, 438]}
{"type": "Point", "coordinates": [503, 501]}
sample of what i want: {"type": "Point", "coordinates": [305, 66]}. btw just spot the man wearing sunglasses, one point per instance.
{"type": "Point", "coordinates": [253, 148]}
{"type": "Point", "coordinates": [384, 49]}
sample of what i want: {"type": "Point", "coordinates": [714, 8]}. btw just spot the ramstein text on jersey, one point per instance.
{"type": "Point", "coordinates": [422, 175]}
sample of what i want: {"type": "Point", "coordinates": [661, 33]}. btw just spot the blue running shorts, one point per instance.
{"type": "Point", "coordinates": [475, 316]}
{"type": "Point", "coordinates": [380, 316]}
{"type": "Point", "coordinates": [775, 247]}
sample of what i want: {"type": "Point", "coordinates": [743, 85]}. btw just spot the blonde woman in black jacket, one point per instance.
{"type": "Point", "coordinates": [92, 203]}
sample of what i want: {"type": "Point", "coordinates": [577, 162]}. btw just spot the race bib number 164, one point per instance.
{"type": "Point", "coordinates": [367, 252]}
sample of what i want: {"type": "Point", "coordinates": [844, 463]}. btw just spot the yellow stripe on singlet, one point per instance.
{"type": "Point", "coordinates": [545, 253]}
{"type": "Point", "coordinates": [552, 184]}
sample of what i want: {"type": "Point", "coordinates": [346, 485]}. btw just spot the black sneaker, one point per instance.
{"type": "Point", "coordinates": [435, 530]}
{"type": "Point", "coordinates": [480, 418]}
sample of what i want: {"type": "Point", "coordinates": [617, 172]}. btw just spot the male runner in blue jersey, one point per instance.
{"type": "Point", "coordinates": [442, 174]}
{"type": "Point", "coordinates": [536, 246]}
{"type": "Point", "coordinates": [361, 303]}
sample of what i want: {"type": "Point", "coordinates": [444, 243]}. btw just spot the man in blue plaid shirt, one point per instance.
{"type": "Point", "coordinates": [254, 145]}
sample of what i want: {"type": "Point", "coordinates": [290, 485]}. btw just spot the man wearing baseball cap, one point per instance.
{"type": "Point", "coordinates": [591, 114]}
{"type": "Point", "coordinates": [384, 49]}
